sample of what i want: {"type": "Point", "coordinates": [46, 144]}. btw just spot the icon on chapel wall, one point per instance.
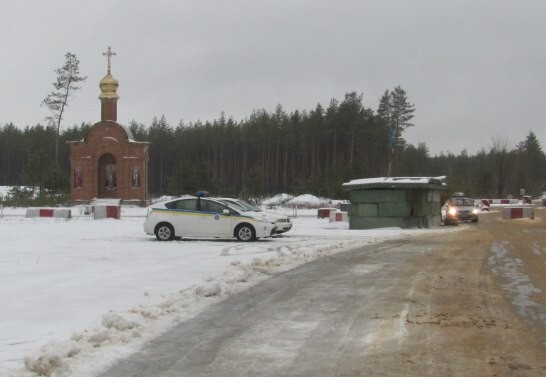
{"type": "Point", "coordinates": [78, 177]}
{"type": "Point", "coordinates": [111, 179]}
{"type": "Point", "coordinates": [136, 177]}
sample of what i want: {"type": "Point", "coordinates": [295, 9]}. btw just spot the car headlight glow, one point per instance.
{"type": "Point", "coordinates": [452, 211]}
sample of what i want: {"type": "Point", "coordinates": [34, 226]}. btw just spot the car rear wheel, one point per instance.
{"type": "Point", "coordinates": [164, 232]}
{"type": "Point", "coordinates": [245, 233]}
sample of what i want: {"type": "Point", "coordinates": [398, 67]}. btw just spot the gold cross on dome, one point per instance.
{"type": "Point", "coordinates": [109, 55]}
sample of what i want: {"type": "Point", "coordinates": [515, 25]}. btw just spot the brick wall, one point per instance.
{"type": "Point", "coordinates": [108, 141]}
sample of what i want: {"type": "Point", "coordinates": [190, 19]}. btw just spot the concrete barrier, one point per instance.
{"type": "Point", "coordinates": [503, 201]}
{"type": "Point", "coordinates": [107, 212]}
{"type": "Point", "coordinates": [59, 213]}
{"type": "Point", "coordinates": [324, 213]}
{"type": "Point", "coordinates": [338, 216]}
{"type": "Point", "coordinates": [518, 213]}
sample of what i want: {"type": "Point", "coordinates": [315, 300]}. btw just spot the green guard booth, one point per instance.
{"type": "Point", "coordinates": [401, 202]}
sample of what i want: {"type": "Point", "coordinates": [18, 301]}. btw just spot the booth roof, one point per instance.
{"type": "Point", "coordinates": [397, 182]}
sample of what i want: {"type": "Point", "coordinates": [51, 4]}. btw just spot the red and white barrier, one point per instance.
{"type": "Point", "coordinates": [323, 213]}
{"type": "Point", "coordinates": [485, 204]}
{"type": "Point", "coordinates": [503, 201]}
{"type": "Point", "coordinates": [338, 216]}
{"type": "Point", "coordinates": [518, 213]}
{"type": "Point", "coordinates": [59, 213]}
{"type": "Point", "coordinates": [106, 212]}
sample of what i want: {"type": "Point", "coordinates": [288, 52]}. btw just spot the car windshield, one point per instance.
{"type": "Point", "coordinates": [247, 206]}
{"type": "Point", "coordinates": [462, 202]}
{"type": "Point", "coordinates": [235, 205]}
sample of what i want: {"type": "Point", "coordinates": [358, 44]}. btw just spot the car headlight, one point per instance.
{"type": "Point", "coordinates": [475, 211]}
{"type": "Point", "coordinates": [452, 211]}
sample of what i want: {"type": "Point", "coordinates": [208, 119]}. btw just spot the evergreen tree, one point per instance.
{"type": "Point", "coordinates": [160, 135]}
{"type": "Point", "coordinates": [13, 155]}
{"type": "Point", "coordinates": [302, 151]}
{"type": "Point", "coordinates": [500, 161]}
{"type": "Point", "coordinates": [396, 113]}
{"type": "Point", "coordinates": [415, 161]}
{"type": "Point", "coordinates": [39, 166]}
{"type": "Point", "coordinates": [531, 164]}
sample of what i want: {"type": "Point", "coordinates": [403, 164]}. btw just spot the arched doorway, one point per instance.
{"type": "Point", "coordinates": [108, 177]}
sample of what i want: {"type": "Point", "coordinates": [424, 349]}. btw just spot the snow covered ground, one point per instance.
{"type": "Point", "coordinates": [77, 294]}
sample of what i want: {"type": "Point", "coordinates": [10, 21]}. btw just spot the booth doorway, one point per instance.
{"type": "Point", "coordinates": [108, 177]}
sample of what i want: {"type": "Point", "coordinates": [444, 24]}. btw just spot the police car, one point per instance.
{"type": "Point", "coordinates": [282, 223]}
{"type": "Point", "coordinates": [190, 217]}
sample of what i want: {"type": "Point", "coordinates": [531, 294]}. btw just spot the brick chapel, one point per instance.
{"type": "Point", "coordinates": [108, 163]}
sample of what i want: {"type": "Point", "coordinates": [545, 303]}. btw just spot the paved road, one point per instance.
{"type": "Point", "coordinates": [427, 306]}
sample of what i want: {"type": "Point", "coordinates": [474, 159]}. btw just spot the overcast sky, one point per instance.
{"type": "Point", "coordinates": [475, 69]}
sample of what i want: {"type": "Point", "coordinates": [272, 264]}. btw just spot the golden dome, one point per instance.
{"type": "Point", "coordinates": [109, 86]}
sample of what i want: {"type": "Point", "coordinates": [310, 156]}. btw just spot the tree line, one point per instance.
{"type": "Point", "coordinates": [304, 151]}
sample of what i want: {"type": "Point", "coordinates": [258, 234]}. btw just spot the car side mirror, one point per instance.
{"type": "Point", "coordinates": [225, 211]}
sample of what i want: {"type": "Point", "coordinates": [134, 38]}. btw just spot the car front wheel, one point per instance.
{"type": "Point", "coordinates": [164, 232]}
{"type": "Point", "coordinates": [245, 233]}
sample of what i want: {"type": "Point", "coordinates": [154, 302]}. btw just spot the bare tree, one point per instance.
{"type": "Point", "coordinates": [68, 76]}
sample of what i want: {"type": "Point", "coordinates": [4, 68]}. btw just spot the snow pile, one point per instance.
{"type": "Point", "coordinates": [4, 190]}
{"type": "Point", "coordinates": [277, 200]}
{"type": "Point", "coordinates": [309, 201]}
{"type": "Point", "coordinates": [51, 360]}
{"type": "Point", "coordinates": [119, 329]}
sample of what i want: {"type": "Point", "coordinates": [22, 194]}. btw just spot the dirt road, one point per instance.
{"type": "Point", "coordinates": [476, 307]}
{"type": "Point", "coordinates": [468, 302]}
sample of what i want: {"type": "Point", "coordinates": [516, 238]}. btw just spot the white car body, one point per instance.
{"type": "Point", "coordinates": [282, 223]}
{"type": "Point", "coordinates": [204, 217]}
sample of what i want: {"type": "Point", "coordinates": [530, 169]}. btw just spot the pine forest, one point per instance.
{"type": "Point", "coordinates": [272, 151]}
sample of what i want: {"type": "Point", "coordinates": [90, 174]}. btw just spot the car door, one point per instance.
{"type": "Point", "coordinates": [213, 221]}
{"type": "Point", "coordinates": [185, 217]}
